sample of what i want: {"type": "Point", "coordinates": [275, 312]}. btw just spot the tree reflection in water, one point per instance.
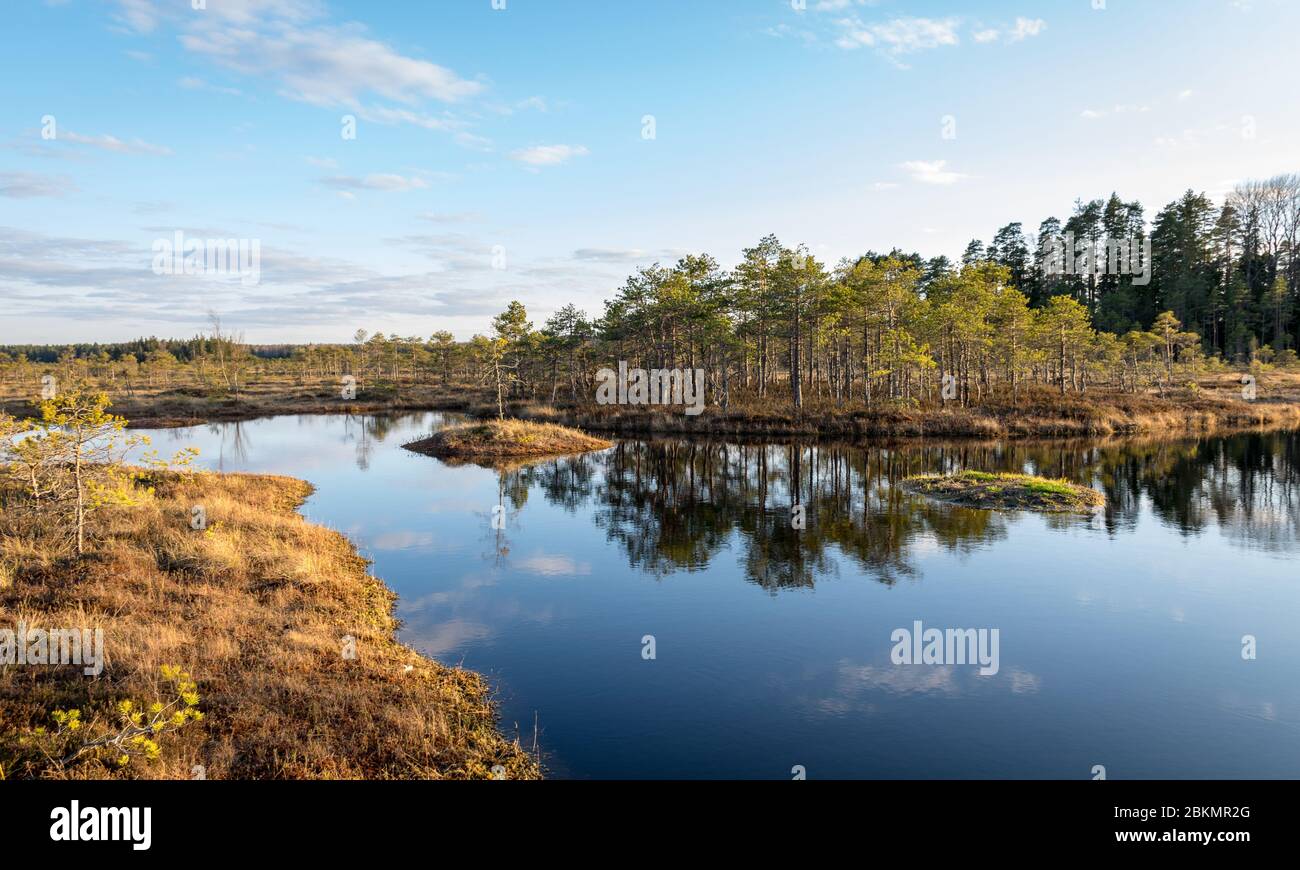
{"type": "Point", "coordinates": [675, 505]}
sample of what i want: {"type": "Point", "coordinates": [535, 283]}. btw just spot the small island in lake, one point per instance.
{"type": "Point", "coordinates": [981, 489]}
{"type": "Point", "coordinates": [506, 439]}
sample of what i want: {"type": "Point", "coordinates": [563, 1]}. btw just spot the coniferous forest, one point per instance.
{"type": "Point", "coordinates": [1219, 290]}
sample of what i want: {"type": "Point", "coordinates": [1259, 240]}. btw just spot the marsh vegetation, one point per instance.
{"type": "Point", "coordinates": [1003, 491]}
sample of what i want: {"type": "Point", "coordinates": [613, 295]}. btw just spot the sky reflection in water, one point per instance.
{"type": "Point", "coordinates": [1120, 632]}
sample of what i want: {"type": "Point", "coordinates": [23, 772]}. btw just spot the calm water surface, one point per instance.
{"type": "Point", "coordinates": [1120, 633]}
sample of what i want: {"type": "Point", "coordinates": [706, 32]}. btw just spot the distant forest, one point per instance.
{"type": "Point", "coordinates": [1224, 281]}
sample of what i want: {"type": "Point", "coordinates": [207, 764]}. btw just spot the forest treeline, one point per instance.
{"type": "Point", "coordinates": [881, 328]}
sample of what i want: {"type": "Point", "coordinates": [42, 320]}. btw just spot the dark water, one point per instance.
{"type": "Point", "coordinates": [1120, 634]}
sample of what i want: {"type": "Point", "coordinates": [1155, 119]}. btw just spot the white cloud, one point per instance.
{"type": "Point", "coordinates": [473, 141]}
{"type": "Point", "coordinates": [1025, 28]}
{"type": "Point", "coordinates": [389, 115]}
{"type": "Point", "coordinates": [81, 281]}
{"type": "Point", "coordinates": [192, 83]}
{"type": "Point", "coordinates": [449, 217]}
{"type": "Point", "coordinates": [144, 16]}
{"type": "Point", "coordinates": [26, 185]}
{"type": "Point", "coordinates": [329, 66]}
{"type": "Point", "coordinates": [307, 58]}
{"type": "Point", "coordinates": [931, 171]}
{"type": "Point", "coordinates": [114, 144]}
{"type": "Point", "coordinates": [609, 255]}
{"type": "Point", "coordinates": [898, 36]}
{"type": "Point", "coordinates": [249, 12]}
{"type": "Point", "coordinates": [376, 181]}
{"type": "Point", "coordinates": [140, 16]}
{"type": "Point", "coordinates": [549, 155]}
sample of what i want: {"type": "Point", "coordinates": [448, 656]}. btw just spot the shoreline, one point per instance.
{"type": "Point", "coordinates": [1041, 414]}
{"type": "Point", "coordinates": [291, 641]}
{"type": "Point", "coordinates": [927, 426]}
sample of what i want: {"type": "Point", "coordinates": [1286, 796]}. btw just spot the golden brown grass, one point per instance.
{"type": "Point", "coordinates": [506, 439]}
{"type": "Point", "coordinates": [1040, 412]}
{"type": "Point", "coordinates": [980, 489]}
{"type": "Point", "coordinates": [159, 406]}
{"type": "Point", "coordinates": [257, 609]}
{"type": "Point", "coordinates": [1215, 404]}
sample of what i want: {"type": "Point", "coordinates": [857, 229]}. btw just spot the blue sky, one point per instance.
{"type": "Point", "coordinates": [499, 153]}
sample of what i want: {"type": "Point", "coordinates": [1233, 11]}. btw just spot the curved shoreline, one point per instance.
{"type": "Point", "coordinates": [291, 641]}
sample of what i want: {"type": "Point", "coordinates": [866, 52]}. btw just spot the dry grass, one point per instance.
{"type": "Point", "coordinates": [506, 439]}
{"type": "Point", "coordinates": [256, 608]}
{"type": "Point", "coordinates": [1215, 405]}
{"type": "Point", "coordinates": [188, 405]}
{"type": "Point", "coordinates": [1040, 412]}
{"type": "Point", "coordinates": [980, 489]}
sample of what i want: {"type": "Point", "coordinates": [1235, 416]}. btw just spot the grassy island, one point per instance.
{"type": "Point", "coordinates": [506, 439]}
{"type": "Point", "coordinates": [980, 489]}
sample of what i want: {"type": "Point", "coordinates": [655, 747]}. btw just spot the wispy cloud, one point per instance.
{"type": "Point", "coordinates": [328, 66]}
{"type": "Point", "coordinates": [85, 280]}
{"type": "Point", "coordinates": [609, 255]}
{"type": "Point", "coordinates": [534, 103]}
{"type": "Point", "coordinates": [138, 16]}
{"type": "Point", "coordinates": [899, 35]}
{"type": "Point", "coordinates": [29, 185]}
{"type": "Point", "coordinates": [836, 5]}
{"type": "Point", "coordinates": [904, 35]}
{"type": "Point", "coordinates": [309, 59]}
{"type": "Point", "coordinates": [459, 217]}
{"type": "Point", "coordinates": [111, 143]}
{"type": "Point", "coordinates": [549, 155]}
{"type": "Point", "coordinates": [931, 172]}
{"type": "Point", "coordinates": [375, 181]}
{"type": "Point", "coordinates": [1022, 29]}
{"type": "Point", "coordinates": [1025, 28]}
{"type": "Point", "coordinates": [192, 83]}
{"type": "Point", "coordinates": [451, 251]}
